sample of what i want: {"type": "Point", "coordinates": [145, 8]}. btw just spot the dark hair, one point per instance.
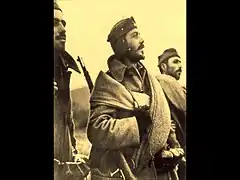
{"type": "Point", "coordinates": [164, 62]}
{"type": "Point", "coordinates": [56, 6]}
{"type": "Point", "coordinates": [164, 57]}
{"type": "Point", "coordinates": [170, 50]}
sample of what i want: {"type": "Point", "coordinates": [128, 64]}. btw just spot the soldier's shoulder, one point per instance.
{"type": "Point", "coordinates": [102, 76]}
{"type": "Point", "coordinates": [70, 61]}
{"type": "Point", "coordinates": [163, 77]}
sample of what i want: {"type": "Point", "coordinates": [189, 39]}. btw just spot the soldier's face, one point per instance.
{"type": "Point", "coordinates": [136, 44]}
{"type": "Point", "coordinates": [174, 67]}
{"type": "Point", "coordinates": [59, 36]}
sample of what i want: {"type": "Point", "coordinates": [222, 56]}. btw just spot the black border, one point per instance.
{"type": "Point", "coordinates": [26, 120]}
{"type": "Point", "coordinates": [210, 84]}
{"type": "Point", "coordinates": [28, 117]}
{"type": "Point", "coordinates": [197, 90]}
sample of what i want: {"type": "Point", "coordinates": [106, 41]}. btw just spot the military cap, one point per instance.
{"type": "Point", "coordinates": [121, 28]}
{"type": "Point", "coordinates": [168, 53]}
{"type": "Point", "coordinates": [56, 6]}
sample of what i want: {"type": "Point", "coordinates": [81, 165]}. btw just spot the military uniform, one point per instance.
{"type": "Point", "coordinates": [176, 96]}
{"type": "Point", "coordinates": [64, 140]}
{"type": "Point", "coordinates": [130, 118]}
{"type": "Point", "coordinates": [111, 129]}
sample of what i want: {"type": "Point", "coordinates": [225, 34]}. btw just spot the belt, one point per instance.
{"type": "Point", "coordinates": [97, 177]}
{"type": "Point", "coordinates": [72, 168]}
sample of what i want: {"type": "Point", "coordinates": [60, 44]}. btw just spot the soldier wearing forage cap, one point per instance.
{"type": "Point", "coordinates": [130, 119]}
{"type": "Point", "coordinates": [169, 64]}
{"type": "Point", "coordinates": [64, 140]}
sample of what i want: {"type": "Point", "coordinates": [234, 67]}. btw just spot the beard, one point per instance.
{"type": "Point", "coordinates": [177, 77]}
{"type": "Point", "coordinates": [134, 55]}
{"type": "Point", "coordinates": [175, 74]}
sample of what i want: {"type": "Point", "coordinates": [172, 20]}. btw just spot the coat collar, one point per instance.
{"type": "Point", "coordinates": [69, 62]}
{"type": "Point", "coordinates": [172, 79]}
{"type": "Point", "coordinates": [118, 69]}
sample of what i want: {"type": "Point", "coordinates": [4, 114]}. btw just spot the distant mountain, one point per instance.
{"type": "Point", "coordinates": [80, 106]}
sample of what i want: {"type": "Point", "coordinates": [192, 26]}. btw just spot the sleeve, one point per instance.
{"type": "Point", "coordinates": [172, 139]}
{"type": "Point", "coordinates": [71, 124]}
{"type": "Point", "coordinates": [108, 130]}
{"type": "Point", "coordinates": [72, 131]}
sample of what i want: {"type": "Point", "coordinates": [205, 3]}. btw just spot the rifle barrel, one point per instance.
{"type": "Point", "coordinates": [86, 74]}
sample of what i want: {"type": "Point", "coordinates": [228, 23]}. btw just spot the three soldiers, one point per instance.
{"type": "Point", "coordinates": [133, 116]}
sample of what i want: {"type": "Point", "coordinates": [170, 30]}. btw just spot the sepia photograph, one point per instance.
{"type": "Point", "coordinates": [119, 89]}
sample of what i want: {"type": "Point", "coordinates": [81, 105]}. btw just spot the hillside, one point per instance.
{"type": "Point", "coordinates": [80, 106]}
{"type": "Point", "coordinates": [80, 100]}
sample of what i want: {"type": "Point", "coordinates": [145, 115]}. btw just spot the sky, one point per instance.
{"type": "Point", "coordinates": [162, 24]}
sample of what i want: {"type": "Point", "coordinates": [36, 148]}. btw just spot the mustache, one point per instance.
{"type": "Point", "coordinates": [179, 70]}
{"type": "Point", "coordinates": [141, 46]}
{"type": "Point", "coordinates": [61, 36]}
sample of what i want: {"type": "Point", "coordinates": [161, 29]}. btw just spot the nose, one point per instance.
{"type": "Point", "coordinates": [141, 41]}
{"type": "Point", "coordinates": [180, 66]}
{"type": "Point", "coordinates": [62, 28]}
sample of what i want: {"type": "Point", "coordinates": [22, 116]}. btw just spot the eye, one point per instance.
{"type": "Point", "coordinates": [56, 22]}
{"type": "Point", "coordinates": [176, 61]}
{"type": "Point", "coordinates": [135, 35]}
{"type": "Point", "coordinates": [64, 23]}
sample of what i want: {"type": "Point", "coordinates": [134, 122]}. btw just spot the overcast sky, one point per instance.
{"type": "Point", "coordinates": [162, 24]}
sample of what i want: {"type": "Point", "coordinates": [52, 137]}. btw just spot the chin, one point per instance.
{"type": "Point", "coordinates": [177, 77]}
{"type": "Point", "coordinates": [137, 59]}
{"type": "Point", "coordinates": [143, 57]}
{"type": "Point", "coordinates": [60, 48]}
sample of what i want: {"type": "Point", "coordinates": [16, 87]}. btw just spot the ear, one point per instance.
{"type": "Point", "coordinates": [163, 67]}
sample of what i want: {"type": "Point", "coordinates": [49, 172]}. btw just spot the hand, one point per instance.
{"type": "Point", "coordinates": [171, 158]}
{"type": "Point", "coordinates": [142, 100]}
{"type": "Point", "coordinates": [79, 158]}
{"type": "Point", "coordinates": [177, 152]}
{"type": "Point", "coordinates": [166, 154]}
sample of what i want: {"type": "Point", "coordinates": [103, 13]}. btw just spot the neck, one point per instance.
{"type": "Point", "coordinates": [57, 52]}
{"type": "Point", "coordinates": [169, 75]}
{"type": "Point", "coordinates": [128, 62]}
{"type": "Point", "coordinates": [58, 58]}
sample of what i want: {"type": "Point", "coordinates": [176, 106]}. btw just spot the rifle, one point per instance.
{"type": "Point", "coordinates": [86, 74]}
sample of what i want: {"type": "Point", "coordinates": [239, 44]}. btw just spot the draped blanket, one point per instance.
{"type": "Point", "coordinates": [176, 96]}
{"type": "Point", "coordinates": [108, 91]}
{"type": "Point", "coordinates": [173, 91]}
